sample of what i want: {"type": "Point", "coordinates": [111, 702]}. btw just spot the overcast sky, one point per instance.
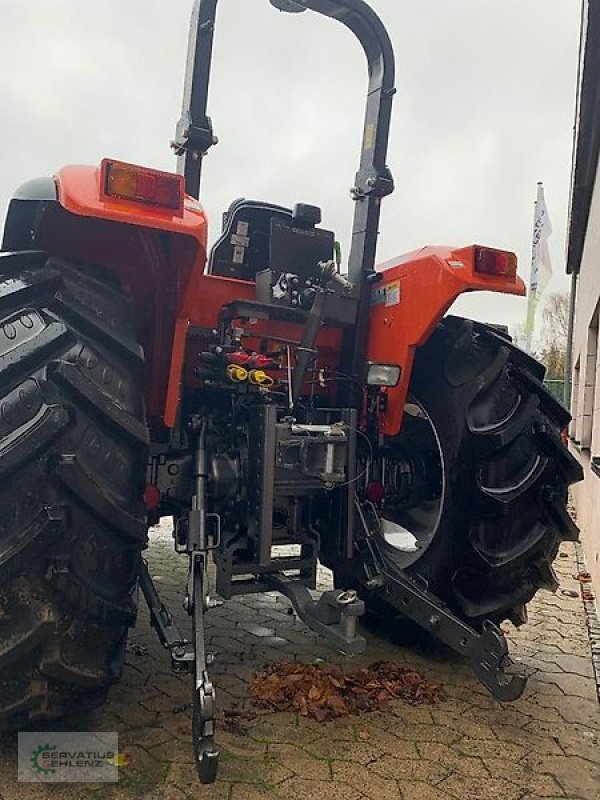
{"type": "Point", "coordinates": [485, 105]}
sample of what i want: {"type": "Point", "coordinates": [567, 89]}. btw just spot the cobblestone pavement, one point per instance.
{"type": "Point", "coordinates": [470, 747]}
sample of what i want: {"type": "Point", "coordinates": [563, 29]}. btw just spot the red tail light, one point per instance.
{"type": "Point", "coordinates": [375, 492]}
{"type": "Point", "coordinates": [142, 185]}
{"type": "Point", "coordinates": [489, 261]}
{"type": "Point", "coordinates": [151, 497]}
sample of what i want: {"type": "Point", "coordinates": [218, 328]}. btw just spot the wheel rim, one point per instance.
{"type": "Point", "coordinates": [410, 531]}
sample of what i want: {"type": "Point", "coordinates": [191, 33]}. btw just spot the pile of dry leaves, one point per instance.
{"type": "Point", "coordinates": [324, 692]}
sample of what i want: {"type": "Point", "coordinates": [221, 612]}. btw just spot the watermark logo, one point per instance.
{"type": "Point", "coordinates": [69, 757]}
{"type": "Point", "coordinates": [41, 759]}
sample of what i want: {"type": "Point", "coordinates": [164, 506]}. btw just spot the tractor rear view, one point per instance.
{"type": "Point", "coordinates": [282, 410]}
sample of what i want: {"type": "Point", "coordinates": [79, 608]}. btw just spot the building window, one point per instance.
{"type": "Point", "coordinates": [585, 428]}
{"type": "Point", "coordinates": [586, 399]}
{"type": "Point", "coordinates": [573, 428]}
{"type": "Point", "coordinates": [595, 433]}
{"type": "Point", "coordinates": [591, 398]}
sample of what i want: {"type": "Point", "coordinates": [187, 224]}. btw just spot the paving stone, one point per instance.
{"type": "Point", "coordinates": [444, 734]}
{"type": "Point", "coordinates": [551, 797]}
{"type": "Point", "coordinates": [527, 779]}
{"type": "Point", "coordinates": [475, 695]}
{"type": "Point", "coordinates": [168, 684]}
{"type": "Point", "coordinates": [586, 745]}
{"type": "Point", "coordinates": [576, 776]}
{"type": "Point", "coordinates": [415, 769]}
{"type": "Point", "coordinates": [301, 789]}
{"type": "Point", "coordinates": [159, 702]}
{"type": "Point", "coordinates": [258, 630]}
{"type": "Point", "coordinates": [261, 771]}
{"type": "Point", "coordinates": [449, 757]}
{"type": "Point", "coordinates": [469, 747]}
{"type": "Point", "coordinates": [12, 790]}
{"type": "Point", "coordinates": [241, 746]}
{"type": "Point", "coordinates": [468, 788]}
{"type": "Point", "coordinates": [179, 726]}
{"type": "Point", "coordinates": [389, 743]}
{"type": "Point", "coordinates": [453, 708]}
{"type": "Point", "coordinates": [571, 710]}
{"type": "Point", "coordinates": [467, 726]}
{"type": "Point", "coordinates": [269, 729]}
{"type": "Point", "coordinates": [483, 748]}
{"type": "Point", "coordinates": [568, 683]}
{"type": "Point", "coordinates": [536, 711]}
{"type": "Point", "coordinates": [243, 791]}
{"type": "Point", "coordinates": [411, 714]}
{"type": "Point", "coordinates": [532, 741]}
{"type": "Point", "coordinates": [184, 777]}
{"type": "Point", "coordinates": [165, 792]}
{"type": "Point", "coordinates": [276, 641]}
{"type": "Point", "coordinates": [234, 686]}
{"type": "Point", "coordinates": [173, 749]}
{"type": "Point", "coordinates": [418, 790]}
{"type": "Point", "coordinates": [147, 737]}
{"type": "Point", "coordinates": [143, 773]}
{"type": "Point", "coordinates": [367, 782]}
{"type": "Point", "coordinates": [340, 730]}
{"type": "Point", "coordinates": [361, 752]}
{"type": "Point", "coordinates": [303, 764]}
{"type": "Point", "coordinates": [578, 665]}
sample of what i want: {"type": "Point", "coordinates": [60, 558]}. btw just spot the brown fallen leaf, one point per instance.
{"type": "Point", "coordinates": [337, 703]}
{"type": "Point", "coordinates": [314, 693]}
{"type": "Point", "coordinates": [326, 692]}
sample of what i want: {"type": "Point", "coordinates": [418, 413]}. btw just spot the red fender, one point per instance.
{"type": "Point", "coordinates": [412, 296]}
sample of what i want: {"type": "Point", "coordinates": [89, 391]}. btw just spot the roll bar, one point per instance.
{"type": "Point", "coordinates": [195, 135]}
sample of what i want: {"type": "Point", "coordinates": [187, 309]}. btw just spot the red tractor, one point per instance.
{"type": "Point", "coordinates": [281, 411]}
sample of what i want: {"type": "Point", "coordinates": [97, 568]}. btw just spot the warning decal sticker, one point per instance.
{"type": "Point", "coordinates": [387, 294]}
{"type": "Point", "coordinates": [392, 293]}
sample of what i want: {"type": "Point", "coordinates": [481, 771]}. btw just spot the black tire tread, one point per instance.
{"type": "Point", "coordinates": [497, 541]}
{"type": "Point", "coordinates": [73, 444]}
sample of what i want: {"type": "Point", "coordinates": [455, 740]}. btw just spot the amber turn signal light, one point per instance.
{"type": "Point", "coordinates": [142, 185]}
{"type": "Point", "coordinates": [489, 261]}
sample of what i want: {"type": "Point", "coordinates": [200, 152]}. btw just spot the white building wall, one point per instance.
{"type": "Point", "coordinates": [585, 406]}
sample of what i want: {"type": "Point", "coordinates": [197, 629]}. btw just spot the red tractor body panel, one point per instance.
{"type": "Point", "coordinates": [80, 192]}
{"type": "Point", "coordinates": [157, 255]}
{"type": "Point", "coordinates": [160, 258]}
{"type": "Point", "coordinates": [413, 295]}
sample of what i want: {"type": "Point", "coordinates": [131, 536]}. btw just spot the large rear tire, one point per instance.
{"type": "Point", "coordinates": [73, 446]}
{"type": "Point", "coordinates": [504, 475]}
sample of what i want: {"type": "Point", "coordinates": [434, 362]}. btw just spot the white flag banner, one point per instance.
{"type": "Point", "coordinates": [541, 266]}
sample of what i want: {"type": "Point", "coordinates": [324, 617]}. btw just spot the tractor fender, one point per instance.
{"type": "Point", "coordinates": [412, 295]}
{"type": "Point", "coordinates": [25, 212]}
{"type": "Point", "coordinates": [155, 254]}
{"type": "Point", "coordinates": [79, 192]}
